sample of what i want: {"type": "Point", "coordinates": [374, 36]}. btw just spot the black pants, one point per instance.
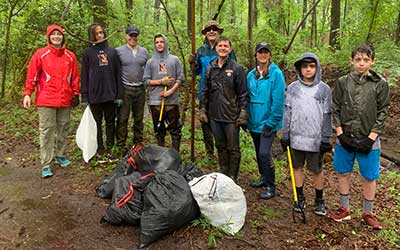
{"type": "Point", "coordinates": [171, 116]}
{"type": "Point", "coordinates": [208, 137]}
{"type": "Point", "coordinates": [133, 101]}
{"type": "Point", "coordinates": [227, 143]}
{"type": "Point", "coordinates": [106, 109]}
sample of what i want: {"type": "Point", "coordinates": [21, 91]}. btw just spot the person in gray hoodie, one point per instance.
{"type": "Point", "coordinates": [307, 126]}
{"type": "Point", "coordinates": [164, 70]}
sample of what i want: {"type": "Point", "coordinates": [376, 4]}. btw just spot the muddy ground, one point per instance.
{"type": "Point", "coordinates": [63, 212]}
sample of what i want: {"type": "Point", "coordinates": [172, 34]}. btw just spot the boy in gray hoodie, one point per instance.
{"type": "Point", "coordinates": [164, 69]}
{"type": "Point", "coordinates": [307, 126]}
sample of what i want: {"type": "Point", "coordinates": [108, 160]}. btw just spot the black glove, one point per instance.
{"type": "Point", "coordinates": [364, 145]}
{"type": "Point", "coordinates": [242, 120]}
{"type": "Point", "coordinates": [75, 100]}
{"type": "Point", "coordinates": [203, 116]}
{"type": "Point", "coordinates": [285, 143]}
{"type": "Point", "coordinates": [347, 142]}
{"type": "Point", "coordinates": [267, 131]}
{"type": "Point", "coordinates": [325, 147]}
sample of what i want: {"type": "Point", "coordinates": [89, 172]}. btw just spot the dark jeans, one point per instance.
{"type": "Point", "coordinates": [265, 164]}
{"type": "Point", "coordinates": [133, 100]}
{"type": "Point", "coordinates": [171, 116]}
{"type": "Point", "coordinates": [227, 142]}
{"type": "Point", "coordinates": [106, 109]}
{"type": "Point", "coordinates": [208, 137]}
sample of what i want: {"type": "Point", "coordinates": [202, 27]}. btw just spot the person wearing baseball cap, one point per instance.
{"type": "Point", "coordinates": [266, 86]}
{"type": "Point", "coordinates": [204, 55]}
{"type": "Point", "coordinates": [133, 59]}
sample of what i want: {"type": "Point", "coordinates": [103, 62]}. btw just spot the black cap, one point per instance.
{"type": "Point", "coordinates": [263, 45]}
{"type": "Point", "coordinates": [132, 30]}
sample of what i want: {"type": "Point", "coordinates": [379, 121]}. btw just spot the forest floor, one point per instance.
{"type": "Point", "coordinates": [63, 212]}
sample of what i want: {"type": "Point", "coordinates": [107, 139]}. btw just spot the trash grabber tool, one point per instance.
{"type": "Point", "coordinates": [296, 202]}
{"type": "Point", "coordinates": [161, 111]}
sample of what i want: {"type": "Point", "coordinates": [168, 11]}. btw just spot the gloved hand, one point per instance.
{"type": "Point", "coordinates": [347, 142]}
{"type": "Point", "coordinates": [364, 145]}
{"type": "Point", "coordinates": [166, 81]}
{"type": "Point", "coordinates": [325, 147]}
{"type": "Point", "coordinates": [242, 119]}
{"type": "Point", "coordinates": [203, 116]}
{"type": "Point", "coordinates": [267, 131]}
{"type": "Point", "coordinates": [118, 102]}
{"type": "Point", "coordinates": [84, 105]}
{"type": "Point", "coordinates": [75, 101]}
{"type": "Point", "coordinates": [285, 143]}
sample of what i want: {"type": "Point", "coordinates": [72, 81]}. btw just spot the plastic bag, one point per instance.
{"type": "Point", "coordinates": [156, 158]}
{"type": "Point", "coordinates": [86, 135]}
{"type": "Point", "coordinates": [189, 171]}
{"type": "Point", "coordinates": [221, 200]}
{"type": "Point", "coordinates": [168, 205]}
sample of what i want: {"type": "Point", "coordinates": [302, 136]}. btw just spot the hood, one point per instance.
{"type": "Point", "coordinates": [297, 66]}
{"type": "Point", "coordinates": [91, 35]}
{"type": "Point", "coordinates": [50, 29]}
{"type": "Point", "coordinates": [165, 53]}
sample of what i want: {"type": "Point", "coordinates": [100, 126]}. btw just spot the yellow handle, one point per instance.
{"type": "Point", "coordinates": [162, 105]}
{"type": "Point", "coordinates": [292, 174]}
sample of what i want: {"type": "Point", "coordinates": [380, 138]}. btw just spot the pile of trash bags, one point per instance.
{"type": "Point", "coordinates": [150, 188]}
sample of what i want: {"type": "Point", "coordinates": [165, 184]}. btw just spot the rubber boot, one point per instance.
{"type": "Point", "coordinates": [234, 165]}
{"type": "Point", "coordinates": [223, 159]}
{"type": "Point", "coordinates": [176, 143]}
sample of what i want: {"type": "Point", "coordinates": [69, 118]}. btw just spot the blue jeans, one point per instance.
{"type": "Point", "coordinates": [228, 147]}
{"type": "Point", "coordinates": [265, 164]}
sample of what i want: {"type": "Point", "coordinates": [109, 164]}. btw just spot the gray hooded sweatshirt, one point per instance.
{"type": "Point", "coordinates": [307, 116]}
{"type": "Point", "coordinates": [153, 71]}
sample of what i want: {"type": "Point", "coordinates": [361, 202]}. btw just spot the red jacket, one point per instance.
{"type": "Point", "coordinates": [54, 72]}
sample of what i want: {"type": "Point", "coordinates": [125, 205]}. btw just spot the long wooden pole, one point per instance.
{"type": "Point", "coordinates": [193, 81]}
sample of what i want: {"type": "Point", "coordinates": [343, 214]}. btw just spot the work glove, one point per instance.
{"type": "Point", "coordinates": [203, 116]}
{"type": "Point", "coordinates": [118, 102]}
{"type": "Point", "coordinates": [84, 105]}
{"type": "Point", "coordinates": [347, 142]}
{"type": "Point", "coordinates": [364, 145]}
{"type": "Point", "coordinates": [165, 81]}
{"type": "Point", "coordinates": [267, 131]}
{"type": "Point", "coordinates": [242, 120]}
{"type": "Point", "coordinates": [75, 100]}
{"type": "Point", "coordinates": [285, 143]}
{"type": "Point", "coordinates": [325, 147]}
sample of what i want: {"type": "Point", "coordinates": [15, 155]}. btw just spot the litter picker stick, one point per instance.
{"type": "Point", "coordinates": [295, 198]}
{"type": "Point", "coordinates": [161, 110]}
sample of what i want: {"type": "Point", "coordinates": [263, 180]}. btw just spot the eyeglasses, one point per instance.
{"type": "Point", "coordinates": [211, 29]}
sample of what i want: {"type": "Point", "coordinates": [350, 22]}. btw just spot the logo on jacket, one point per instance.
{"type": "Point", "coordinates": [103, 59]}
{"type": "Point", "coordinates": [229, 72]}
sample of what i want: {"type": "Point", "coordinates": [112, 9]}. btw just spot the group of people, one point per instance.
{"type": "Point", "coordinates": [113, 84]}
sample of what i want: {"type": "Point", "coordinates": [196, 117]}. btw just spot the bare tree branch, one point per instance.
{"type": "Point", "coordinates": [218, 10]}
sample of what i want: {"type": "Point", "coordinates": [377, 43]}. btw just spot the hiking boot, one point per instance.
{"type": "Point", "coordinates": [320, 207]}
{"type": "Point", "coordinates": [259, 183]}
{"type": "Point", "coordinates": [46, 172]}
{"type": "Point", "coordinates": [371, 221]}
{"type": "Point", "coordinates": [341, 214]}
{"type": "Point", "coordinates": [269, 193]}
{"type": "Point", "coordinates": [62, 161]}
{"type": "Point", "coordinates": [300, 205]}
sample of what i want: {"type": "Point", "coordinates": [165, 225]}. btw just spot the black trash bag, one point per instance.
{"type": "Point", "coordinates": [189, 171]}
{"type": "Point", "coordinates": [127, 203]}
{"type": "Point", "coordinates": [106, 186]}
{"type": "Point", "coordinates": [153, 158]}
{"type": "Point", "coordinates": [168, 205]}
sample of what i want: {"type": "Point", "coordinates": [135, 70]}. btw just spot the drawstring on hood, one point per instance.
{"type": "Point", "coordinates": [297, 65]}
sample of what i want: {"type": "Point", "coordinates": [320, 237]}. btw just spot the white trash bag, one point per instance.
{"type": "Point", "coordinates": [221, 200]}
{"type": "Point", "coordinates": [86, 135]}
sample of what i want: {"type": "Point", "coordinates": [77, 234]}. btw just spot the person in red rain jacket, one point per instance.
{"type": "Point", "coordinates": [53, 73]}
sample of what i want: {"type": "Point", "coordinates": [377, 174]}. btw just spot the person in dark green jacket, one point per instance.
{"type": "Point", "coordinates": [359, 109]}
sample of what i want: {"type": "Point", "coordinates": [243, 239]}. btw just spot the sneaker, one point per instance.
{"type": "Point", "coordinates": [300, 205]}
{"type": "Point", "coordinates": [341, 214]}
{"type": "Point", "coordinates": [371, 221]}
{"type": "Point", "coordinates": [63, 162]}
{"type": "Point", "coordinates": [320, 207]}
{"type": "Point", "coordinates": [46, 172]}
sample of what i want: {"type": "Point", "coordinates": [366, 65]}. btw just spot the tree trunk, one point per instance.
{"type": "Point", "coordinates": [304, 13]}
{"type": "Point", "coordinates": [397, 36]}
{"type": "Point", "coordinates": [314, 27]}
{"type": "Point", "coordinates": [156, 11]}
{"type": "Point", "coordinates": [372, 21]}
{"type": "Point", "coordinates": [233, 13]}
{"type": "Point", "coordinates": [250, 23]}
{"type": "Point", "coordinates": [335, 24]}
{"type": "Point", "coordinates": [212, 8]}
{"type": "Point", "coordinates": [201, 11]}
{"type": "Point", "coordinates": [5, 52]}
{"type": "Point", "coordinates": [189, 18]}
{"type": "Point", "coordinates": [129, 10]}
{"type": "Point", "coordinates": [345, 9]}
{"type": "Point", "coordinates": [100, 12]}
